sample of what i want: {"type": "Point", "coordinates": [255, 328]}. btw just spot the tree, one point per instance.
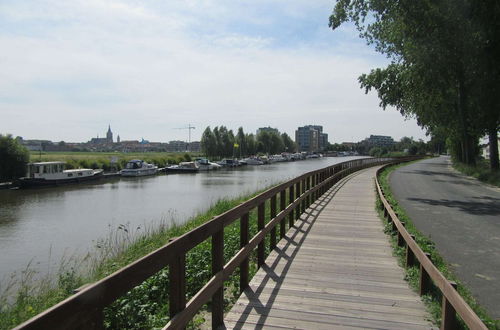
{"type": "Point", "coordinates": [436, 63]}
{"type": "Point", "coordinates": [277, 145]}
{"type": "Point", "coordinates": [208, 143]}
{"type": "Point", "coordinates": [264, 142]}
{"type": "Point", "coordinates": [14, 158]}
{"type": "Point", "coordinates": [241, 141]}
{"type": "Point", "coordinates": [290, 145]}
{"type": "Point", "coordinates": [251, 144]}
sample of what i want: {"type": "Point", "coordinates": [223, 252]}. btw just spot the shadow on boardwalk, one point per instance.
{"type": "Point", "coordinates": [302, 226]}
{"type": "Point", "coordinates": [334, 269]}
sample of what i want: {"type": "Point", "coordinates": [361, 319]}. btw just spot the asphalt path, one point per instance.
{"type": "Point", "coordinates": [462, 217]}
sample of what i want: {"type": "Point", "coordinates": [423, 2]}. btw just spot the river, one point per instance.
{"type": "Point", "coordinates": [41, 226]}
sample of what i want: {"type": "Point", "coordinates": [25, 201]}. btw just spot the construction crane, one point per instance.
{"type": "Point", "coordinates": [189, 128]}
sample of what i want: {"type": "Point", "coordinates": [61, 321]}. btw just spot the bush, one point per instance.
{"type": "Point", "coordinates": [14, 158]}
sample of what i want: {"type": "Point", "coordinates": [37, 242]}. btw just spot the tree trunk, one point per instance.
{"type": "Point", "coordinates": [493, 139]}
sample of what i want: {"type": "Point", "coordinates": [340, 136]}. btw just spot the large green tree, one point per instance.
{"type": "Point", "coordinates": [14, 158]}
{"type": "Point", "coordinates": [437, 67]}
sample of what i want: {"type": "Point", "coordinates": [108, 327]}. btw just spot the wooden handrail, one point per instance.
{"type": "Point", "coordinates": [452, 302]}
{"type": "Point", "coordinates": [84, 309]}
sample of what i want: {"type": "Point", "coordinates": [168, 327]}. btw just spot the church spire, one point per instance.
{"type": "Point", "coordinates": [109, 135]}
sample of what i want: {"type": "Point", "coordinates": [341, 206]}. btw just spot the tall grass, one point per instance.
{"type": "Point", "coordinates": [480, 171]}
{"type": "Point", "coordinates": [145, 306]}
{"type": "Point", "coordinates": [102, 160]}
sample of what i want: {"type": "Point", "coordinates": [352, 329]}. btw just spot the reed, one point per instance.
{"type": "Point", "coordinates": [28, 293]}
{"type": "Point", "coordinates": [102, 160]}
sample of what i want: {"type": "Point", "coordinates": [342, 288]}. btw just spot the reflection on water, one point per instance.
{"type": "Point", "coordinates": [48, 223]}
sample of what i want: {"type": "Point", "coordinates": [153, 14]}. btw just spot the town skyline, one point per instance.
{"type": "Point", "coordinates": [117, 138]}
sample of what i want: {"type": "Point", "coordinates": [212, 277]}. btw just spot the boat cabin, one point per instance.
{"type": "Point", "coordinates": [134, 164]}
{"type": "Point", "coordinates": [36, 170]}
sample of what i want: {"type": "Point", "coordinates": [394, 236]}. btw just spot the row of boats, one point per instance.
{"type": "Point", "coordinates": [54, 173]}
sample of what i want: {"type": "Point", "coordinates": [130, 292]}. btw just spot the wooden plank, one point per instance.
{"type": "Point", "coordinates": [333, 269]}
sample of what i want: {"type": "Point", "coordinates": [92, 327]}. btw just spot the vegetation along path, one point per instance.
{"type": "Point", "coordinates": [462, 217]}
{"type": "Point", "coordinates": [334, 269]}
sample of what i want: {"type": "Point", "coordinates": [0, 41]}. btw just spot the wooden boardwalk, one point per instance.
{"type": "Point", "coordinates": [333, 270]}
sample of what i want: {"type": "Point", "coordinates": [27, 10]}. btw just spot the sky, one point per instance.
{"type": "Point", "coordinates": [68, 69]}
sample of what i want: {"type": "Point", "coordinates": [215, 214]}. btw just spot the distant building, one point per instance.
{"type": "Point", "coordinates": [380, 141]}
{"type": "Point", "coordinates": [349, 145]}
{"type": "Point", "coordinates": [311, 138]}
{"type": "Point", "coordinates": [176, 146]}
{"type": "Point", "coordinates": [118, 139]}
{"type": "Point", "coordinates": [485, 149]}
{"type": "Point", "coordinates": [268, 129]}
{"type": "Point", "coordinates": [109, 135]}
{"type": "Point", "coordinates": [36, 145]}
{"type": "Point", "coordinates": [107, 140]}
{"type": "Point", "coordinates": [195, 146]}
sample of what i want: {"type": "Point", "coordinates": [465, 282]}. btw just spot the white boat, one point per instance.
{"type": "Point", "coordinates": [229, 163]}
{"type": "Point", "coordinates": [183, 167]}
{"type": "Point", "coordinates": [276, 158]}
{"type": "Point", "coordinates": [206, 165]}
{"type": "Point", "coordinates": [253, 161]}
{"type": "Point", "coordinates": [55, 173]}
{"type": "Point", "coordinates": [137, 167]}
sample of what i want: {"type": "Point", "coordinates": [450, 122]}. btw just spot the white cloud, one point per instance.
{"type": "Point", "coordinates": [147, 67]}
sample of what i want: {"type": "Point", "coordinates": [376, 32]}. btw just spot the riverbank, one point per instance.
{"type": "Point", "coordinates": [432, 300]}
{"type": "Point", "coordinates": [146, 306]}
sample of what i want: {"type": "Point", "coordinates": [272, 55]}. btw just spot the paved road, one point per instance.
{"type": "Point", "coordinates": [462, 217]}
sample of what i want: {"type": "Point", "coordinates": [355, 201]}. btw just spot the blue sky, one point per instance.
{"type": "Point", "coordinates": [70, 68]}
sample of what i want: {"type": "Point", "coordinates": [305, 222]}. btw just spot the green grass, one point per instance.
{"type": "Point", "coordinates": [432, 300]}
{"type": "Point", "coordinates": [481, 171]}
{"type": "Point", "coordinates": [145, 306]}
{"type": "Point", "coordinates": [103, 159]}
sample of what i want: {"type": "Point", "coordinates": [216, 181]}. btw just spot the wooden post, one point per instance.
{"type": "Point", "coordinates": [314, 183]}
{"type": "Point", "coordinates": [410, 256]}
{"type": "Point", "coordinates": [95, 320]}
{"type": "Point", "coordinates": [297, 195]}
{"type": "Point", "coordinates": [425, 280]}
{"type": "Point", "coordinates": [217, 265]}
{"type": "Point", "coordinates": [401, 240]}
{"type": "Point", "coordinates": [291, 197]}
{"type": "Point", "coordinates": [243, 243]}
{"type": "Point", "coordinates": [303, 186]}
{"type": "Point", "coordinates": [177, 285]}
{"type": "Point", "coordinates": [282, 207]}
{"type": "Point", "coordinates": [261, 209]}
{"type": "Point", "coordinates": [273, 215]}
{"type": "Point", "coordinates": [448, 314]}
{"type": "Point", "coordinates": [308, 186]}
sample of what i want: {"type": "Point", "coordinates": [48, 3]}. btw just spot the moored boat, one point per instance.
{"type": "Point", "coordinates": [137, 167]}
{"type": "Point", "coordinates": [253, 161]}
{"type": "Point", "coordinates": [183, 167]}
{"type": "Point", "coordinates": [206, 165]}
{"type": "Point", "coordinates": [54, 173]}
{"type": "Point", "coordinates": [229, 163]}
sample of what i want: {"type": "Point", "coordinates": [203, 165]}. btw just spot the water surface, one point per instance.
{"type": "Point", "coordinates": [40, 226]}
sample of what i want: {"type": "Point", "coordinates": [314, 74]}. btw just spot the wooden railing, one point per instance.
{"type": "Point", "coordinates": [85, 309]}
{"type": "Point", "coordinates": [452, 302]}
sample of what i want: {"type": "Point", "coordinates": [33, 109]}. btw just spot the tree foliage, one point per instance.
{"type": "Point", "coordinates": [221, 142]}
{"type": "Point", "coordinates": [14, 158]}
{"type": "Point", "coordinates": [444, 64]}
